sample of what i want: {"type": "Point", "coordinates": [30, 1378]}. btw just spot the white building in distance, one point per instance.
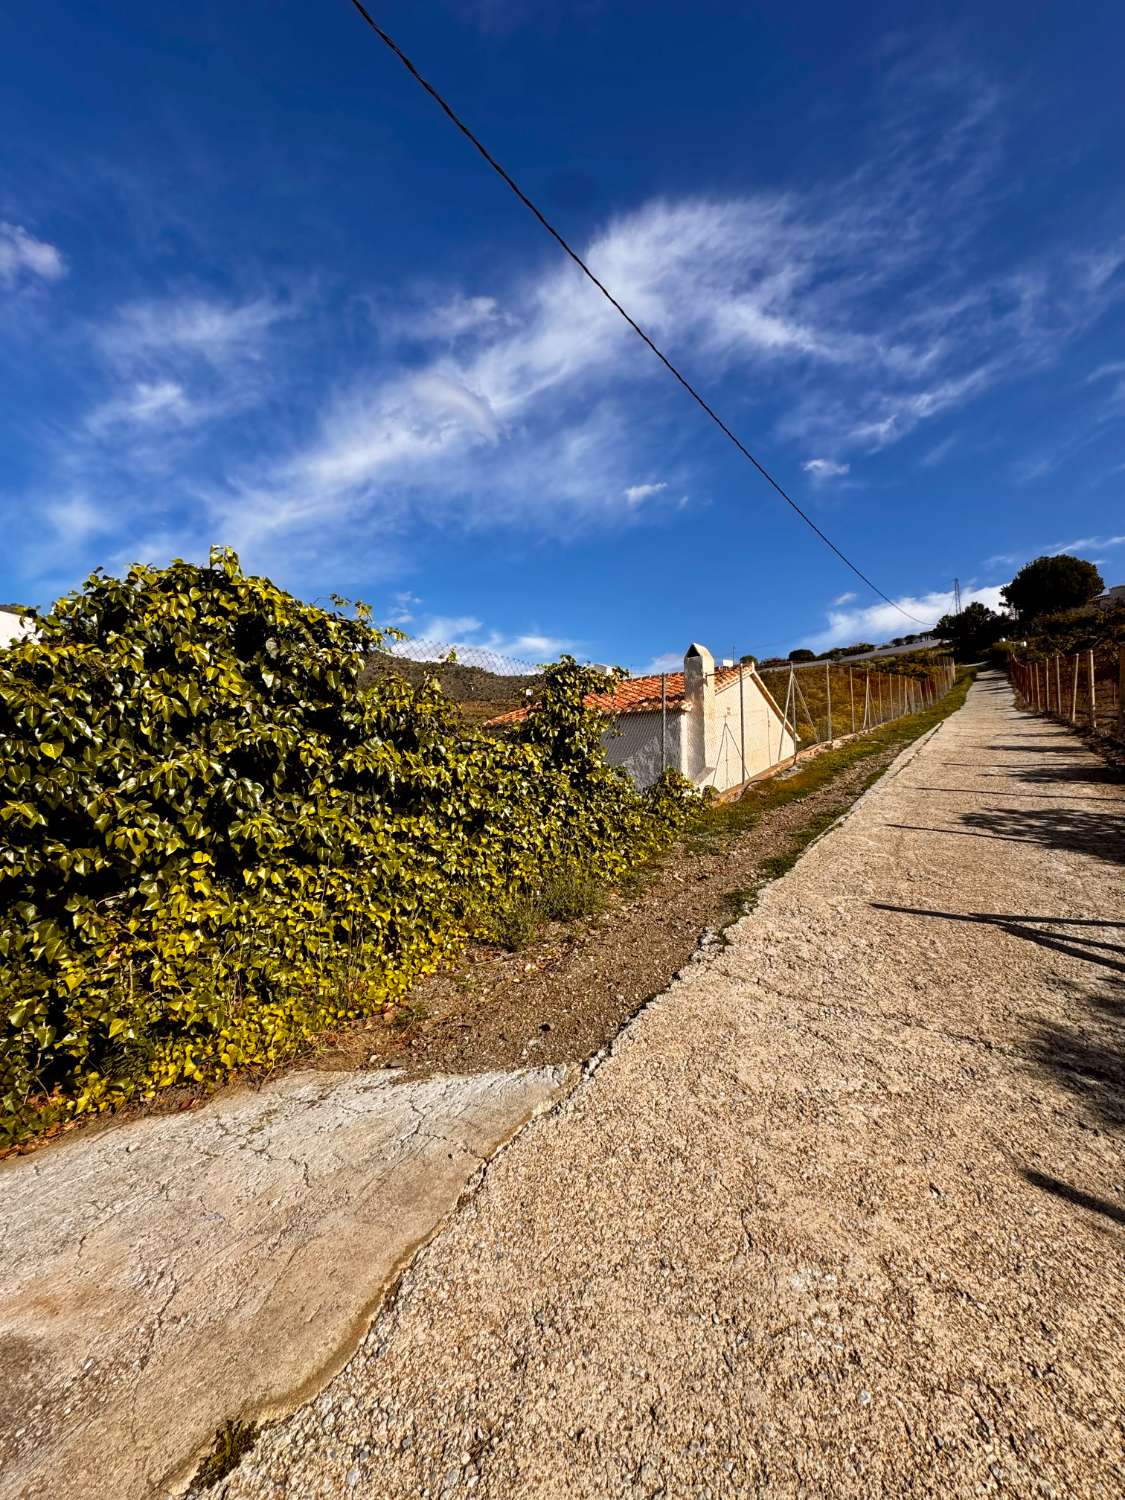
{"type": "Point", "coordinates": [718, 726]}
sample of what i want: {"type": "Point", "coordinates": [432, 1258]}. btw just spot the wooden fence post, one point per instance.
{"type": "Point", "coordinates": [851, 697]}
{"type": "Point", "coordinates": [1074, 693]}
{"type": "Point", "coordinates": [1093, 699]}
{"type": "Point", "coordinates": [828, 691]}
{"type": "Point", "coordinates": [1121, 692]}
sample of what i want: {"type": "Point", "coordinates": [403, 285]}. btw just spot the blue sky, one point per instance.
{"type": "Point", "coordinates": [255, 290]}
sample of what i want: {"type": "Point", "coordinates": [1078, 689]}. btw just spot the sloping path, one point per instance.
{"type": "Point", "coordinates": [843, 1213]}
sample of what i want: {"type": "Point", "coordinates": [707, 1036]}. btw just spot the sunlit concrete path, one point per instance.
{"type": "Point", "coordinates": [163, 1276]}
{"type": "Point", "coordinates": [841, 1215]}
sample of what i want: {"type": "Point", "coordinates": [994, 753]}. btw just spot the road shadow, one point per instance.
{"type": "Point", "coordinates": [1087, 1055]}
{"type": "Point", "coordinates": [984, 791]}
{"type": "Point", "coordinates": [1037, 930]}
{"type": "Point", "coordinates": [1084, 1050]}
{"type": "Point", "coordinates": [1059, 1189]}
{"type": "Point", "coordinates": [1071, 829]}
{"type": "Point", "coordinates": [1037, 747]}
{"type": "Point", "coordinates": [1081, 773]}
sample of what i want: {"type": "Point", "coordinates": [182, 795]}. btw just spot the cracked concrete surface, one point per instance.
{"type": "Point", "coordinates": [840, 1216]}
{"type": "Point", "coordinates": [160, 1278]}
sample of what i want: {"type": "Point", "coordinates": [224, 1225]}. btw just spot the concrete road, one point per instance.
{"type": "Point", "coordinates": [841, 1215]}
{"type": "Point", "coordinates": [164, 1276]}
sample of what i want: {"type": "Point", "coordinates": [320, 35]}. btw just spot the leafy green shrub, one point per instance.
{"type": "Point", "coordinates": [217, 843]}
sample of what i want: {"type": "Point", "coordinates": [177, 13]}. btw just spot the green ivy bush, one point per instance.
{"type": "Point", "coordinates": [216, 842]}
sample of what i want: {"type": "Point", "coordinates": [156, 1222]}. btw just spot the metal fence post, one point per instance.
{"type": "Point", "coordinates": [851, 697]}
{"type": "Point", "coordinates": [785, 717]}
{"type": "Point", "coordinates": [742, 717]}
{"type": "Point", "coordinates": [663, 722]}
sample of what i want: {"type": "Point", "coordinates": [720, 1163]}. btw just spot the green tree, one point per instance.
{"type": "Point", "coordinates": [971, 633]}
{"type": "Point", "coordinates": [801, 654]}
{"type": "Point", "coordinates": [1052, 583]}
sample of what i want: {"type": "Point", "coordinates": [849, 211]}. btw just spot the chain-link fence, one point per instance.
{"type": "Point", "coordinates": [1085, 688]}
{"type": "Point", "coordinates": [483, 683]}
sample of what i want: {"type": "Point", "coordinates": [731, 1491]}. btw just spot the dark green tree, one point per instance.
{"type": "Point", "coordinates": [801, 654]}
{"type": "Point", "coordinates": [1052, 583]}
{"type": "Point", "coordinates": [971, 633]}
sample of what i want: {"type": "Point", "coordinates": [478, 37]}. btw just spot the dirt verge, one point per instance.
{"type": "Point", "coordinates": [564, 998]}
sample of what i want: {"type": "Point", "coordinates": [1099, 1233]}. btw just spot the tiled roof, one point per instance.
{"type": "Point", "coordinates": [636, 695]}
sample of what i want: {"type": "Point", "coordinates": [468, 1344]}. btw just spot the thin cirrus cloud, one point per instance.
{"type": "Point", "coordinates": [637, 494]}
{"type": "Point", "coordinates": [475, 645]}
{"type": "Point", "coordinates": [146, 403]}
{"type": "Point", "coordinates": [881, 622]}
{"type": "Point", "coordinates": [821, 469]}
{"type": "Point", "coordinates": [23, 255]}
{"type": "Point", "coordinates": [528, 402]}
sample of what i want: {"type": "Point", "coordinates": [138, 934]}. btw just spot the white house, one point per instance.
{"type": "Point", "coordinates": [14, 624]}
{"type": "Point", "coordinates": [718, 726]}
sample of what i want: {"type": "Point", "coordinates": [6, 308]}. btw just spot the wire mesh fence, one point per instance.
{"type": "Point", "coordinates": [827, 700]}
{"type": "Point", "coordinates": [720, 724]}
{"type": "Point", "coordinates": [483, 683]}
{"type": "Point", "coordinates": [1084, 688]}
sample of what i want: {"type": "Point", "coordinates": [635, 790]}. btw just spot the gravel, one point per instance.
{"type": "Point", "coordinates": [839, 1214]}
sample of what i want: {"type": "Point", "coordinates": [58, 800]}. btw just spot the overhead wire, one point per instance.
{"type": "Point", "coordinates": [507, 178]}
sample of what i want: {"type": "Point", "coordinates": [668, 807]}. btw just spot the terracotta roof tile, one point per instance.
{"type": "Point", "coordinates": [636, 695]}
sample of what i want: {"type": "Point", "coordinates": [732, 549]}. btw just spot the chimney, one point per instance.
{"type": "Point", "coordinates": [699, 697]}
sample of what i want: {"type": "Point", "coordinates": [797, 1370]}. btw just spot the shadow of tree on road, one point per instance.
{"type": "Point", "coordinates": [1086, 1054]}
{"type": "Point", "coordinates": [1078, 830]}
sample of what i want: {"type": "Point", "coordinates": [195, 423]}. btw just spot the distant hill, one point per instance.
{"type": "Point", "coordinates": [481, 694]}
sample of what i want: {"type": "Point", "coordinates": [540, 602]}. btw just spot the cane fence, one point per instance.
{"type": "Point", "coordinates": [1084, 688]}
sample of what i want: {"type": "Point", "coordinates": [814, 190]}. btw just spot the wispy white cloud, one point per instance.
{"type": "Point", "coordinates": [881, 622]}
{"type": "Point", "coordinates": [934, 456]}
{"type": "Point", "coordinates": [847, 598]}
{"type": "Point", "coordinates": [1084, 544]}
{"type": "Point", "coordinates": [1107, 371]}
{"type": "Point", "coordinates": [475, 645]}
{"type": "Point", "coordinates": [453, 318]}
{"type": "Point", "coordinates": [637, 494]}
{"type": "Point", "coordinates": [145, 403]}
{"type": "Point", "coordinates": [822, 469]}
{"type": "Point", "coordinates": [178, 327]}
{"type": "Point", "coordinates": [21, 254]}
{"type": "Point", "coordinates": [527, 401]}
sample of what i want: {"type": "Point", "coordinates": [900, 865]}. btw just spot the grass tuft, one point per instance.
{"type": "Point", "coordinates": [232, 1443]}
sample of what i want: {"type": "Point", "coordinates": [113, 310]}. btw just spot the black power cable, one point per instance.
{"type": "Point", "coordinates": [390, 42]}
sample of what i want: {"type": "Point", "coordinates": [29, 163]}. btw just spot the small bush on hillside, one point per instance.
{"type": "Point", "coordinates": [217, 843]}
